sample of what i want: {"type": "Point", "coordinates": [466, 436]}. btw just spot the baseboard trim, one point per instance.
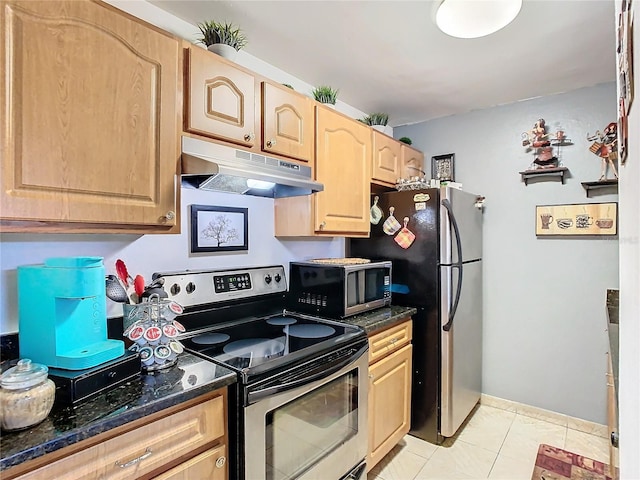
{"type": "Point", "coordinates": [579, 424]}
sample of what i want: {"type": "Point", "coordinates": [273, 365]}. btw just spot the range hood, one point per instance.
{"type": "Point", "coordinates": [211, 166]}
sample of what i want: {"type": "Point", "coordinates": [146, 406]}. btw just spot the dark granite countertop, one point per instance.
{"type": "Point", "coordinates": [380, 318]}
{"type": "Point", "coordinates": [189, 378]}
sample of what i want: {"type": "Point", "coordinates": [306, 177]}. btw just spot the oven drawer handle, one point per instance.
{"type": "Point", "coordinates": [325, 371]}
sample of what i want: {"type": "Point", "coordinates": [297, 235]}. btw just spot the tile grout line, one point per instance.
{"type": "Point", "coordinates": [502, 444]}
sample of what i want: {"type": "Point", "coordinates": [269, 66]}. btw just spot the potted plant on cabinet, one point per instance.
{"type": "Point", "coordinates": [225, 39]}
{"type": "Point", "coordinates": [325, 94]}
{"type": "Point", "coordinates": [379, 122]}
{"type": "Point", "coordinates": [406, 140]}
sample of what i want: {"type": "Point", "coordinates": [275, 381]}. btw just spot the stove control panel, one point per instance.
{"type": "Point", "coordinates": [192, 288]}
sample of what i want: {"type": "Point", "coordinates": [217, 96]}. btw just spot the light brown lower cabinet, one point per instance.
{"type": "Point", "coordinates": [184, 444]}
{"type": "Point", "coordinates": [210, 465]}
{"type": "Point", "coordinates": [389, 390]}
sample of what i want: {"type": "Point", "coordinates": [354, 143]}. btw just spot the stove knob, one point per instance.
{"type": "Point", "coordinates": [175, 289]}
{"type": "Point", "coordinates": [190, 287]}
{"type": "Point", "coordinates": [267, 278]}
{"type": "Point", "coordinates": [277, 278]}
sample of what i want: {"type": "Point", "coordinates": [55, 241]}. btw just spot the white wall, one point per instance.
{"type": "Point", "coordinates": [544, 298]}
{"type": "Point", "coordinates": [145, 254]}
{"type": "Point", "coordinates": [629, 367]}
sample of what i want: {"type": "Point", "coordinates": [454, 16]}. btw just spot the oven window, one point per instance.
{"type": "Point", "coordinates": [307, 429]}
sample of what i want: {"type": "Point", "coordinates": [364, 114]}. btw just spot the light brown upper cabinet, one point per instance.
{"type": "Point", "coordinates": [343, 165]}
{"type": "Point", "coordinates": [387, 159]}
{"type": "Point", "coordinates": [287, 122]}
{"type": "Point", "coordinates": [412, 162]}
{"type": "Point", "coordinates": [90, 136]}
{"type": "Point", "coordinates": [220, 99]}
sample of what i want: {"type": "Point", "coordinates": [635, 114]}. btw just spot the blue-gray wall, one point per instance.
{"type": "Point", "coordinates": [544, 298]}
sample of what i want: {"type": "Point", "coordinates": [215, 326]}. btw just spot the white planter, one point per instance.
{"type": "Point", "coordinates": [386, 129]}
{"type": "Point", "coordinates": [225, 51]}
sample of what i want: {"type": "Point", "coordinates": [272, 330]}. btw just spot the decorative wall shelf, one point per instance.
{"type": "Point", "coordinates": [600, 185]}
{"type": "Point", "coordinates": [544, 172]}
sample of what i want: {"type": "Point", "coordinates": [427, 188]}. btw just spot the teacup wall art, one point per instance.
{"type": "Point", "coordinates": [577, 219]}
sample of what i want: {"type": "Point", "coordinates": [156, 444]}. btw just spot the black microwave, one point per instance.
{"type": "Point", "coordinates": [338, 288]}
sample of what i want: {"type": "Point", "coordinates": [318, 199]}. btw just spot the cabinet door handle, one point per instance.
{"type": "Point", "coordinates": [220, 462]}
{"type": "Point", "coordinates": [249, 136]}
{"type": "Point", "coordinates": [147, 453]}
{"type": "Point", "coordinates": [271, 143]}
{"type": "Point", "coordinates": [170, 215]}
{"type": "Point", "coordinates": [322, 225]}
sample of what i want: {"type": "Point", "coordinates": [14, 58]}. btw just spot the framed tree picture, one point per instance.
{"type": "Point", "coordinates": [219, 229]}
{"type": "Point", "coordinates": [442, 167]}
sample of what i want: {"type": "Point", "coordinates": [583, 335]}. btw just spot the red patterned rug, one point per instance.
{"type": "Point", "coordinates": [556, 464]}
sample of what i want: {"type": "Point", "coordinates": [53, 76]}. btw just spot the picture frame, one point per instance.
{"type": "Point", "coordinates": [593, 219]}
{"type": "Point", "coordinates": [218, 229]}
{"type": "Point", "coordinates": [442, 167]}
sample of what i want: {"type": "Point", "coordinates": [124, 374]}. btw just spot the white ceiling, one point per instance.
{"type": "Point", "coordinates": [388, 56]}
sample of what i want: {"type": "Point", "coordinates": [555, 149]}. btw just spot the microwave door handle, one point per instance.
{"type": "Point", "coordinates": [323, 371]}
{"type": "Point", "coordinates": [361, 287]}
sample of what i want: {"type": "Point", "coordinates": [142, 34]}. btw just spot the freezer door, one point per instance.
{"type": "Point", "coordinates": [461, 354]}
{"type": "Point", "coordinates": [469, 222]}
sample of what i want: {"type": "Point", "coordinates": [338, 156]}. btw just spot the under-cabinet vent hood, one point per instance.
{"type": "Point", "coordinates": [211, 166]}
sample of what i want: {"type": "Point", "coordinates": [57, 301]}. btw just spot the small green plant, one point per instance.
{"type": "Point", "coordinates": [376, 119]}
{"type": "Point", "coordinates": [215, 32]}
{"type": "Point", "coordinates": [325, 94]}
{"type": "Point", "coordinates": [406, 140]}
{"type": "Point", "coordinates": [288, 86]}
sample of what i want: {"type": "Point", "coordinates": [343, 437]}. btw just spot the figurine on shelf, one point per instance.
{"type": "Point", "coordinates": [537, 141]}
{"type": "Point", "coordinates": [605, 145]}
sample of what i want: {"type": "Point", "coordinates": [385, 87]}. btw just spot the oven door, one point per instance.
{"type": "Point", "coordinates": [309, 422]}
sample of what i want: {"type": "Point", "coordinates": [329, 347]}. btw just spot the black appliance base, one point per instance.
{"type": "Point", "coordinates": [76, 386]}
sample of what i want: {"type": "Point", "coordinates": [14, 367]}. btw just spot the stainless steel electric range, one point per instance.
{"type": "Point", "coordinates": [300, 408]}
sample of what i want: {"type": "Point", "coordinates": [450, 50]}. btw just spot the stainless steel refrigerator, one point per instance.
{"type": "Point", "coordinates": [439, 273]}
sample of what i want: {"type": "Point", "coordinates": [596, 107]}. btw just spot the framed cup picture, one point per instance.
{"type": "Point", "coordinates": [219, 229]}
{"type": "Point", "coordinates": [442, 167]}
{"type": "Point", "coordinates": [577, 219]}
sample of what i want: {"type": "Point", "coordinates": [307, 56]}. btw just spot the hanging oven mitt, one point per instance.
{"type": "Point", "coordinates": [405, 237]}
{"type": "Point", "coordinates": [376, 213]}
{"type": "Point", "coordinates": [391, 225]}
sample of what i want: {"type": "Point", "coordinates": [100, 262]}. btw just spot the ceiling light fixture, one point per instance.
{"type": "Point", "coordinates": [475, 18]}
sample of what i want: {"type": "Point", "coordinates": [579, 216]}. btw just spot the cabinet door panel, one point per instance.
{"type": "Point", "coordinates": [287, 123]}
{"type": "Point", "coordinates": [412, 162]}
{"type": "Point", "coordinates": [91, 132]}
{"type": "Point", "coordinates": [220, 99]}
{"type": "Point", "coordinates": [389, 403]}
{"type": "Point", "coordinates": [386, 158]}
{"type": "Point", "coordinates": [343, 165]}
{"type": "Point", "coordinates": [211, 465]}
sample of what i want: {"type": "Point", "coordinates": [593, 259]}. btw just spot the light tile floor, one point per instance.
{"type": "Point", "coordinates": [493, 443]}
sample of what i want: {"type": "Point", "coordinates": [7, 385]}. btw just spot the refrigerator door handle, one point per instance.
{"type": "Point", "coordinates": [452, 313]}
{"type": "Point", "coordinates": [452, 219]}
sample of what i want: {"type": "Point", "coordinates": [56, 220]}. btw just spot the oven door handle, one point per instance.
{"type": "Point", "coordinates": [322, 371]}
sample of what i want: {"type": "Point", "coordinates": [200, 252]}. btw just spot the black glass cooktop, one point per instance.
{"type": "Point", "coordinates": [267, 343]}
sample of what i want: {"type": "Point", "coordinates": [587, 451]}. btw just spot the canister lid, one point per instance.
{"type": "Point", "coordinates": [24, 375]}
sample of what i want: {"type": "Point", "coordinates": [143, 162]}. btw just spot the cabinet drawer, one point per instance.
{"type": "Point", "coordinates": [390, 340]}
{"type": "Point", "coordinates": [153, 445]}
